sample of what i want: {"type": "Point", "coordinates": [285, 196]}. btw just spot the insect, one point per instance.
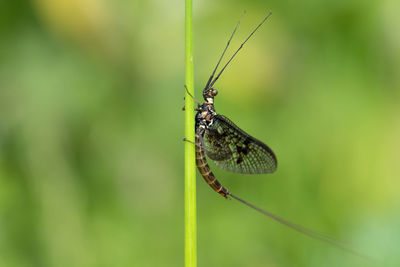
{"type": "Point", "coordinates": [232, 149]}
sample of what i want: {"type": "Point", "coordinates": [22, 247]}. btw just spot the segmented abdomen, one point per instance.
{"type": "Point", "coordinates": [205, 171]}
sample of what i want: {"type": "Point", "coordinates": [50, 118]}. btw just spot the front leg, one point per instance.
{"type": "Point", "coordinates": [198, 102]}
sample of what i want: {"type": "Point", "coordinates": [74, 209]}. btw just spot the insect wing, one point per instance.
{"type": "Point", "coordinates": [234, 150]}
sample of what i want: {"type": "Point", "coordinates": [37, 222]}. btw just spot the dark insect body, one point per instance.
{"type": "Point", "coordinates": [228, 146]}
{"type": "Point", "coordinates": [232, 149]}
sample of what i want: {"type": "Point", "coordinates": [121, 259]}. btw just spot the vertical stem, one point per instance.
{"type": "Point", "coordinates": [190, 167]}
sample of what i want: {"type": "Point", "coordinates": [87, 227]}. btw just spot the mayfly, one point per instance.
{"type": "Point", "coordinates": [232, 149]}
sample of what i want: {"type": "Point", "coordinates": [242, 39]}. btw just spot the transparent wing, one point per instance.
{"type": "Point", "coordinates": [234, 150]}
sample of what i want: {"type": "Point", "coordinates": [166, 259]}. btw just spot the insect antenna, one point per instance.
{"type": "Point", "coordinates": [241, 46]}
{"type": "Point", "coordinates": [226, 47]}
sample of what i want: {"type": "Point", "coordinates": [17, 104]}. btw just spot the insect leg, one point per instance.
{"type": "Point", "coordinates": [197, 145]}
{"type": "Point", "coordinates": [198, 102]}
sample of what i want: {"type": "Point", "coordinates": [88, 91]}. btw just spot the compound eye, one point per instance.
{"type": "Point", "coordinates": [214, 92]}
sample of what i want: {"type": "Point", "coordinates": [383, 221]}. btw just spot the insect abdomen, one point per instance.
{"type": "Point", "coordinates": [205, 171]}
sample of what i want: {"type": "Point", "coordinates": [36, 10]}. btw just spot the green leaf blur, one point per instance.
{"type": "Point", "coordinates": [91, 128]}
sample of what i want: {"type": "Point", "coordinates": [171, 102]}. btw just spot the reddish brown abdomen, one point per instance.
{"type": "Point", "coordinates": [205, 171]}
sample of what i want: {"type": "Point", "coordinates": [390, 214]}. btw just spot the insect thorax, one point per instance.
{"type": "Point", "coordinates": [205, 115]}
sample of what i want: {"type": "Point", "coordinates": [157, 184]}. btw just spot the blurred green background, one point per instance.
{"type": "Point", "coordinates": [91, 128]}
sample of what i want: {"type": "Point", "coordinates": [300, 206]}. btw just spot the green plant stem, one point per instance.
{"type": "Point", "coordinates": [190, 166]}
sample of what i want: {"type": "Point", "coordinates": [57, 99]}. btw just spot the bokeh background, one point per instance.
{"type": "Point", "coordinates": [91, 128]}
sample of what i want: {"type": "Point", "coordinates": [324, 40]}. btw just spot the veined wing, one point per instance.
{"type": "Point", "coordinates": [234, 150]}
